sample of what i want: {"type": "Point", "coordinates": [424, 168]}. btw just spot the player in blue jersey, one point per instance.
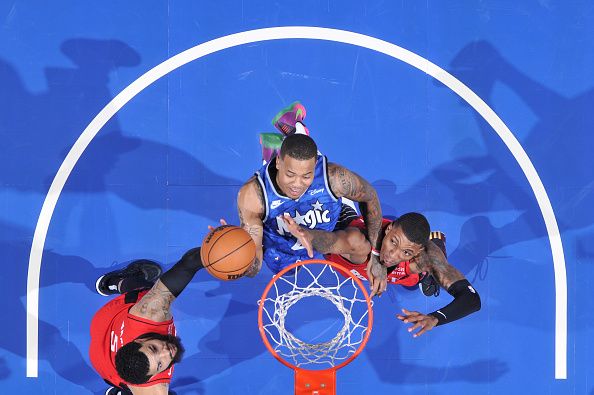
{"type": "Point", "coordinates": [301, 183]}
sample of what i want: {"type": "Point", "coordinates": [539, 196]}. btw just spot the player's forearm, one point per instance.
{"type": "Point", "coordinates": [155, 305]}
{"type": "Point", "coordinates": [257, 264]}
{"type": "Point", "coordinates": [372, 215]}
{"type": "Point", "coordinates": [179, 276]}
{"type": "Point", "coordinates": [466, 301]}
{"type": "Point", "coordinates": [325, 242]}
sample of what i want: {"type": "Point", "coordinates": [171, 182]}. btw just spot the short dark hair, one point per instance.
{"type": "Point", "coordinates": [299, 146]}
{"type": "Point", "coordinates": [415, 227]}
{"type": "Point", "coordinates": [132, 364]}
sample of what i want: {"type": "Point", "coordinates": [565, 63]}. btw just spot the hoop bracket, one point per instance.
{"type": "Point", "coordinates": [320, 382]}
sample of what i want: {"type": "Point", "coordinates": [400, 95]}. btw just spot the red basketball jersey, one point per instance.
{"type": "Point", "coordinates": [111, 328]}
{"type": "Point", "coordinates": [401, 274]}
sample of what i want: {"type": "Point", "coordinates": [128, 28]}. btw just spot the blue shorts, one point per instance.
{"type": "Point", "coordinates": [278, 260]}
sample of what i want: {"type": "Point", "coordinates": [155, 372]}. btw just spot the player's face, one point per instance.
{"type": "Point", "coordinates": [161, 354]}
{"type": "Point", "coordinates": [294, 176]}
{"type": "Point", "coordinates": [396, 247]}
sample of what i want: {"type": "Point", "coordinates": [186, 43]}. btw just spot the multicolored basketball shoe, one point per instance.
{"type": "Point", "coordinates": [271, 143]}
{"type": "Point", "coordinates": [429, 286]}
{"type": "Point", "coordinates": [290, 120]}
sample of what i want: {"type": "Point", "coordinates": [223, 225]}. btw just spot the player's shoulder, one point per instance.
{"type": "Point", "coordinates": [251, 195]}
{"type": "Point", "coordinates": [334, 168]}
{"type": "Point", "coordinates": [250, 184]}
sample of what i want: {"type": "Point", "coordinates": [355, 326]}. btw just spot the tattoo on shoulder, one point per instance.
{"type": "Point", "coordinates": [347, 183]}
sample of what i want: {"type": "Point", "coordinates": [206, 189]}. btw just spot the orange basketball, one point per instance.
{"type": "Point", "coordinates": [228, 252]}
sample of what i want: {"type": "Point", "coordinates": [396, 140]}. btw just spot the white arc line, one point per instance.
{"type": "Point", "coordinates": [282, 33]}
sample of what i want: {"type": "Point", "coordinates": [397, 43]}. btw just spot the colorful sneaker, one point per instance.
{"type": "Point", "coordinates": [428, 285]}
{"type": "Point", "coordinates": [149, 270]}
{"type": "Point", "coordinates": [271, 143]}
{"type": "Point", "coordinates": [286, 120]}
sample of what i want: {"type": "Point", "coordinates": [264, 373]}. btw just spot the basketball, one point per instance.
{"type": "Point", "coordinates": [227, 252]}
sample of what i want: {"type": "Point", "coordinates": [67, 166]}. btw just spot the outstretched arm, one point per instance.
{"type": "Point", "coordinates": [155, 304]}
{"type": "Point", "coordinates": [250, 206]}
{"type": "Point", "coordinates": [345, 242]}
{"type": "Point", "coordinates": [345, 183]}
{"type": "Point", "coordinates": [466, 299]}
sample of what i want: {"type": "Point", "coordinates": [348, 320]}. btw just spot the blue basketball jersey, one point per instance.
{"type": "Point", "coordinates": [317, 208]}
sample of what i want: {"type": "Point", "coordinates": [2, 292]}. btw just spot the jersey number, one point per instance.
{"type": "Point", "coordinates": [114, 341]}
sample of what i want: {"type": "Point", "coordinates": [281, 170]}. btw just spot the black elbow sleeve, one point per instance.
{"type": "Point", "coordinates": [466, 301]}
{"type": "Point", "coordinates": [180, 275]}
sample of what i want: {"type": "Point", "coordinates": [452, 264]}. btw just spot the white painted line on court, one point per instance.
{"type": "Point", "coordinates": [282, 33]}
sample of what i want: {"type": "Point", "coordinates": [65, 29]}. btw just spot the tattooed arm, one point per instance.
{"type": "Point", "coordinates": [433, 261]}
{"type": "Point", "coordinates": [350, 243]}
{"type": "Point", "coordinates": [155, 304]}
{"type": "Point", "coordinates": [250, 206]}
{"type": "Point", "coordinates": [345, 183]}
{"type": "Point", "coordinates": [466, 299]}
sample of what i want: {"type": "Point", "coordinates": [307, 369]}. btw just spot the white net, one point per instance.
{"type": "Point", "coordinates": [322, 281]}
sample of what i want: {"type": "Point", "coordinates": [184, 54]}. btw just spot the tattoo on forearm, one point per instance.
{"type": "Point", "coordinates": [323, 241]}
{"type": "Point", "coordinates": [157, 302]}
{"type": "Point", "coordinates": [372, 215]}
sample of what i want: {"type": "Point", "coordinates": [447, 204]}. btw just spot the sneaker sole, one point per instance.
{"type": "Point", "coordinates": [97, 286]}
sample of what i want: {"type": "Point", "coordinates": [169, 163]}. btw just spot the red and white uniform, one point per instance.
{"type": "Point", "coordinates": [400, 274]}
{"type": "Point", "coordinates": [111, 328]}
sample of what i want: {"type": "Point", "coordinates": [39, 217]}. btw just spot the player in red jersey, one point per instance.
{"type": "Point", "coordinates": [408, 249]}
{"type": "Point", "coordinates": [134, 344]}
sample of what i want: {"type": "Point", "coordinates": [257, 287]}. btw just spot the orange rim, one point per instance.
{"type": "Point", "coordinates": [344, 272]}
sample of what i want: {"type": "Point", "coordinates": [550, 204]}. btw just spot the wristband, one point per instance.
{"type": "Point", "coordinates": [375, 252]}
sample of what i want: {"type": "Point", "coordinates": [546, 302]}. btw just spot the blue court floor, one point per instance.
{"type": "Point", "coordinates": [477, 114]}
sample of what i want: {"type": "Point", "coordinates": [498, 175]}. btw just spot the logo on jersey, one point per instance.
{"type": "Point", "coordinates": [312, 218]}
{"type": "Point", "coordinates": [275, 204]}
{"type": "Point", "coordinates": [316, 191]}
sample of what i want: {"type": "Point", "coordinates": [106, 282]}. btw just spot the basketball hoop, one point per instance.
{"type": "Point", "coordinates": [315, 363]}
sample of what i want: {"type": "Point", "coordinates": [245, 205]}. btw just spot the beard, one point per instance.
{"type": "Point", "coordinates": [170, 340]}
